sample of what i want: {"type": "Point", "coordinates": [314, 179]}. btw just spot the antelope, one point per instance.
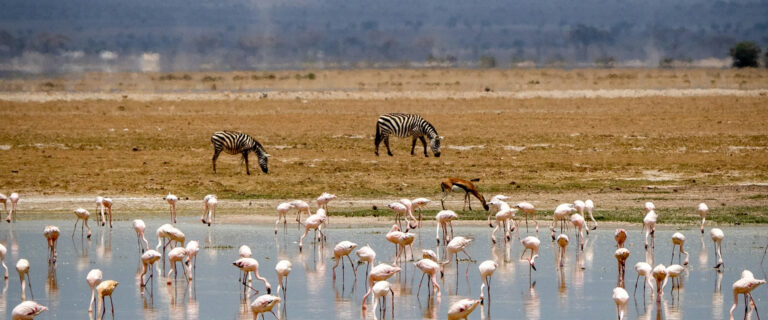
{"type": "Point", "coordinates": [458, 185]}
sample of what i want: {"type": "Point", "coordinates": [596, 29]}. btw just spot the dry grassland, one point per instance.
{"type": "Point", "coordinates": [682, 149]}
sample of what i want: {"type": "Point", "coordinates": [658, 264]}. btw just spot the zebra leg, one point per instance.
{"type": "Point", "coordinates": [413, 144]}
{"type": "Point", "coordinates": [245, 157]}
{"type": "Point", "coordinates": [424, 143]}
{"type": "Point", "coordinates": [216, 153]}
{"type": "Point", "coordinates": [386, 143]}
{"type": "Point", "coordinates": [378, 139]}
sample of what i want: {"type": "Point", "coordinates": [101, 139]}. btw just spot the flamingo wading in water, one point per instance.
{"type": "Point", "coordinates": [83, 215]}
{"type": "Point", "coordinates": [744, 286]}
{"type": "Point", "coordinates": [14, 198]}
{"type": "Point", "coordinates": [105, 289]}
{"type": "Point", "coordinates": [139, 227]}
{"type": "Point", "coordinates": [27, 310]}
{"type": "Point", "coordinates": [717, 236]}
{"type": "Point", "coordinates": [209, 209]}
{"type": "Point", "coordinates": [172, 199]}
{"type": "Point", "coordinates": [51, 234]}
{"type": "Point", "coordinates": [22, 267]}
{"type": "Point", "coordinates": [94, 279]}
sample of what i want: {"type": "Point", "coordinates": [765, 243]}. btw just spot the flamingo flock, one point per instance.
{"type": "Point", "coordinates": [182, 254]}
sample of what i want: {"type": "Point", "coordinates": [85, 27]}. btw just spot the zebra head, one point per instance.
{"type": "Point", "coordinates": [434, 144]}
{"type": "Point", "coordinates": [263, 158]}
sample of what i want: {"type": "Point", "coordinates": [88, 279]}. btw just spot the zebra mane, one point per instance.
{"type": "Point", "coordinates": [431, 131]}
{"type": "Point", "coordinates": [258, 149]}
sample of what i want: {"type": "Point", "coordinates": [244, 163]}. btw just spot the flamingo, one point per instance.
{"type": "Point", "coordinates": [531, 243]}
{"type": "Point", "coordinates": [405, 240]}
{"type": "Point", "coordinates": [249, 265]}
{"type": "Point", "coordinates": [94, 278]}
{"type": "Point", "coordinates": [283, 269]}
{"type": "Point", "coordinates": [528, 210]}
{"type": "Point", "coordinates": [313, 222]}
{"type": "Point", "coordinates": [300, 206]}
{"type": "Point", "coordinates": [341, 250]}
{"type": "Point", "coordinates": [457, 244]}
{"type": "Point", "coordinates": [703, 209]}
{"type": "Point", "coordinates": [429, 254]}
{"type": "Point", "coordinates": [245, 252]}
{"type": "Point", "coordinates": [402, 209]}
{"type": "Point", "coordinates": [503, 218]}
{"type": "Point", "coordinates": [621, 254]}
{"type": "Point", "coordinates": [643, 269]}
{"type": "Point", "coordinates": [620, 298]}
{"type": "Point", "coordinates": [14, 197]}
{"type": "Point", "coordinates": [649, 225]}
{"type": "Point", "coordinates": [444, 218]}
{"type": "Point", "coordinates": [578, 222]}
{"type": "Point", "coordinates": [409, 205]}
{"type": "Point", "coordinates": [139, 227]}
{"type": "Point", "coordinates": [674, 271]}
{"type": "Point", "coordinates": [381, 272]}
{"type": "Point", "coordinates": [323, 199]}
{"type": "Point", "coordinates": [431, 268]}
{"type": "Point", "coordinates": [678, 239]}
{"type": "Point", "coordinates": [176, 255]}
{"type": "Point", "coordinates": [193, 247]}
{"type": "Point", "coordinates": [418, 204]}
{"type": "Point", "coordinates": [562, 212]}
{"type": "Point", "coordinates": [22, 267]}
{"type": "Point", "coordinates": [51, 234]}
{"type": "Point", "coordinates": [744, 286]}
{"type": "Point", "coordinates": [562, 241]}
{"type": "Point", "coordinates": [487, 268]}
{"type": "Point", "coordinates": [648, 206]}
{"type": "Point", "coordinates": [367, 255]}
{"type": "Point", "coordinates": [171, 234]}
{"type": "Point", "coordinates": [172, 199]}
{"type": "Point", "coordinates": [659, 273]}
{"type": "Point", "coordinates": [717, 236]}
{"type": "Point", "coordinates": [106, 203]}
{"type": "Point", "coordinates": [620, 236]}
{"type": "Point", "coordinates": [82, 214]}
{"type": "Point", "coordinates": [3, 251]}
{"type": "Point", "coordinates": [209, 209]}
{"type": "Point", "coordinates": [106, 288]}
{"type": "Point", "coordinates": [27, 310]}
{"type": "Point", "coordinates": [282, 211]}
{"type": "Point", "coordinates": [590, 206]}
{"type": "Point", "coordinates": [263, 304]}
{"type": "Point", "coordinates": [462, 308]}
{"type": "Point", "coordinates": [148, 259]}
{"type": "Point", "coordinates": [380, 291]}
{"type": "Point", "coordinates": [100, 209]}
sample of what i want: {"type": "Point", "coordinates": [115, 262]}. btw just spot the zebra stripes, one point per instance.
{"type": "Point", "coordinates": [405, 125]}
{"type": "Point", "coordinates": [237, 142]}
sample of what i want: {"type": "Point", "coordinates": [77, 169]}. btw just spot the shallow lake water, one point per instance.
{"type": "Point", "coordinates": [215, 293]}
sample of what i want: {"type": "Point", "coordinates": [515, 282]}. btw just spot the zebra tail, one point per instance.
{"type": "Point", "coordinates": [475, 180]}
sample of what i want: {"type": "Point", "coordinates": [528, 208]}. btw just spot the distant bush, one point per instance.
{"type": "Point", "coordinates": [605, 62]}
{"type": "Point", "coordinates": [211, 78]}
{"type": "Point", "coordinates": [745, 54]}
{"type": "Point", "coordinates": [487, 62]}
{"type": "Point", "coordinates": [172, 76]}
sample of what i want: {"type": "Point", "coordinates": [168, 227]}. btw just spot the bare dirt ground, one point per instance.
{"type": "Point", "coordinates": [620, 137]}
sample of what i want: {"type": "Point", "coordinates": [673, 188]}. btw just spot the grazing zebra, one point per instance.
{"type": "Point", "coordinates": [237, 142]}
{"type": "Point", "coordinates": [404, 125]}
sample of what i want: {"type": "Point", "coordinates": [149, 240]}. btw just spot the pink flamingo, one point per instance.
{"type": "Point", "coordinates": [528, 210]}
{"type": "Point", "coordinates": [431, 268]}
{"type": "Point", "coordinates": [620, 236]}
{"type": "Point", "coordinates": [251, 265]}
{"type": "Point", "coordinates": [744, 286]}
{"type": "Point", "coordinates": [703, 209]}
{"type": "Point", "coordinates": [487, 268]}
{"type": "Point", "coordinates": [82, 214]}
{"type": "Point", "coordinates": [283, 269]}
{"type": "Point", "coordinates": [456, 245]}
{"type": "Point", "coordinates": [404, 210]}
{"type": "Point", "coordinates": [263, 304]}
{"type": "Point", "coordinates": [620, 298]}
{"type": "Point", "coordinates": [106, 288]}
{"type": "Point", "coordinates": [177, 255]}
{"type": "Point", "coordinates": [444, 218]}
{"type": "Point", "coordinates": [673, 272]}
{"type": "Point", "coordinates": [282, 211]}
{"type": "Point", "coordinates": [22, 267]}
{"type": "Point", "coordinates": [418, 204]}
{"type": "Point", "coordinates": [209, 209]}
{"type": "Point", "coordinates": [531, 243]}
{"type": "Point", "coordinates": [172, 199]}
{"type": "Point", "coordinates": [643, 269]}
{"type": "Point", "coordinates": [380, 272]}
{"type": "Point", "coordinates": [462, 308]}
{"type": "Point", "coordinates": [659, 273]}
{"type": "Point", "coordinates": [106, 203]}
{"type": "Point", "coordinates": [562, 241]}
{"type": "Point", "coordinates": [341, 250]}
{"type": "Point", "coordinates": [193, 247]}
{"type": "Point", "coordinates": [717, 236]}
{"type": "Point", "coordinates": [300, 206]}
{"type": "Point", "coordinates": [621, 255]}
{"type": "Point", "coordinates": [323, 199]}
{"type": "Point", "coordinates": [562, 212]}
{"type": "Point", "coordinates": [14, 197]}
{"type": "Point", "coordinates": [590, 206]}
{"type": "Point", "coordinates": [649, 225]}
{"type": "Point", "coordinates": [504, 219]}
{"type": "Point", "coordinates": [367, 255]}
{"type": "Point", "coordinates": [51, 234]}
{"type": "Point", "coordinates": [27, 310]}
{"type": "Point", "coordinates": [245, 252]}
{"type": "Point", "coordinates": [94, 279]}
{"type": "Point", "coordinates": [578, 222]}
{"type": "Point", "coordinates": [148, 259]}
{"type": "Point", "coordinates": [381, 289]}
{"type": "Point", "coordinates": [3, 251]}
{"type": "Point", "coordinates": [678, 239]}
{"type": "Point", "coordinates": [139, 227]}
{"type": "Point", "coordinates": [170, 234]}
{"type": "Point", "coordinates": [313, 222]}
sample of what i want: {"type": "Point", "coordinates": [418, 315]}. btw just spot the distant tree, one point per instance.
{"type": "Point", "coordinates": [745, 54]}
{"type": "Point", "coordinates": [605, 62]}
{"type": "Point", "coordinates": [584, 36]}
{"type": "Point", "coordinates": [487, 62]}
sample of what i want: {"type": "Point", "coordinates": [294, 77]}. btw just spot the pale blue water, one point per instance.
{"type": "Point", "coordinates": [216, 293]}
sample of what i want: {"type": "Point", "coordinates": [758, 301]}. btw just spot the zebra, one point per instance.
{"type": "Point", "coordinates": [237, 142]}
{"type": "Point", "coordinates": [404, 125]}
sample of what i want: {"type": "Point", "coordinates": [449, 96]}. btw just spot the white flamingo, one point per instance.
{"type": "Point", "coordinates": [444, 218]}
{"type": "Point", "coordinates": [139, 227]}
{"type": "Point", "coordinates": [14, 198]}
{"type": "Point", "coordinates": [282, 212]}
{"type": "Point", "coordinates": [209, 209]}
{"type": "Point", "coordinates": [703, 209]}
{"type": "Point", "coordinates": [172, 199]}
{"type": "Point", "coordinates": [93, 278]}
